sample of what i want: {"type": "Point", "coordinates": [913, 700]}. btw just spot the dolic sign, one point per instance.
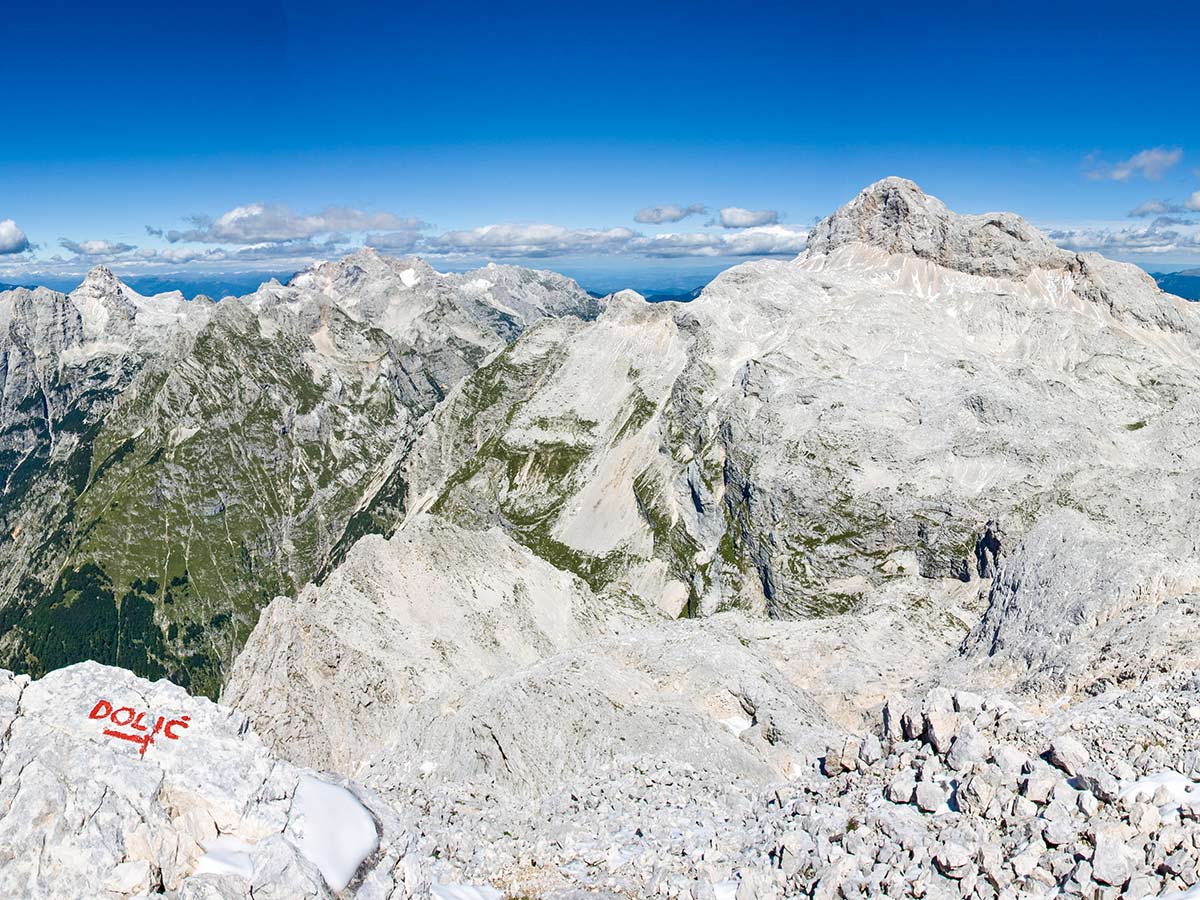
{"type": "Point", "coordinates": [135, 726]}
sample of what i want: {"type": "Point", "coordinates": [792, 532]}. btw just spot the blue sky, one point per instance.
{"type": "Point", "coordinates": [258, 136]}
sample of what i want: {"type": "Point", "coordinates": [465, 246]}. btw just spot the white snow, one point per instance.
{"type": "Point", "coordinates": [331, 828]}
{"type": "Point", "coordinates": [736, 724]}
{"type": "Point", "coordinates": [1181, 788]}
{"type": "Point", "coordinates": [464, 892]}
{"type": "Point", "coordinates": [725, 890]}
{"type": "Point", "coordinates": [227, 855]}
{"type": "Point", "coordinates": [409, 277]}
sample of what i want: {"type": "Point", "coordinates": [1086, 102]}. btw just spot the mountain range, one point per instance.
{"type": "Point", "coordinates": [172, 465]}
{"type": "Point", "coordinates": [868, 573]}
{"type": "Point", "coordinates": [1185, 283]}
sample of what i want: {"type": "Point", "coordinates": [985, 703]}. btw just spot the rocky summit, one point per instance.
{"type": "Point", "coordinates": [871, 573]}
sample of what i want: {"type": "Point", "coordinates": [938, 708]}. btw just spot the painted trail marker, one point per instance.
{"type": "Point", "coordinates": [138, 730]}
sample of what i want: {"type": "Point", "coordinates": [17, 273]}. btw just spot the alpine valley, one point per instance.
{"type": "Point", "coordinates": [871, 573]}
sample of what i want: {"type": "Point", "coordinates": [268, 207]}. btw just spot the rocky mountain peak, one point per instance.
{"type": "Point", "coordinates": [366, 266]}
{"type": "Point", "coordinates": [105, 304]}
{"type": "Point", "coordinates": [172, 792]}
{"type": "Point", "coordinates": [102, 282]}
{"type": "Point", "coordinates": [896, 216]}
{"type": "Point", "coordinates": [102, 276]}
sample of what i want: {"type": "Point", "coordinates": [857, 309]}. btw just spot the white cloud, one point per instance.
{"type": "Point", "coordinates": [767, 240]}
{"type": "Point", "coordinates": [1153, 208]}
{"type": "Point", "coordinates": [1163, 237]}
{"type": "Point", "coordinates": [672, 212]}
{"type": "Point", "coordinates": [531, 241]}
{"type": "Point", "coordinates": [95, 248]}
{"type": "Point", "coordinates": [539, 241]}
{"type": "Point", "coordinates": [1152, 164]}
{"type": "Point", "coordinates": [667, 246]}
{"type": "Point", "coordinates": [396, 241]}
{"type": "Point", "coordinates": [12, 238]}
{"type": "Point", "coordinates": [737, 217]}
{"type": "Point", "coordinates": [301, 251]}
{"type": "Point", "coordinates": [271, 238]}
{"type": "Point", "coordinates": [258, 223]}
{"type": "Point", "coordinates": [273, 258]}
{"type": "Point", "coordinates": [182, 255]}
{"type": "Point", "coordinates": [1166, 207]}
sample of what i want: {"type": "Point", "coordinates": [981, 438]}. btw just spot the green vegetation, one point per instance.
{"type": "Point", "coordinates": [568, 422]}
{"type": "Point", "coordinates": [672, 542]}
{"type": "Point", "coordinates": [832, 604]}
{"type": "Point", "coordinates": [641, 411]}
{"type": "Point", "coordinates": [76, 620]}
{"type": "Point", "coordinates": [172, 520]}
{"type": "Point", "coordinates": [528, 487]}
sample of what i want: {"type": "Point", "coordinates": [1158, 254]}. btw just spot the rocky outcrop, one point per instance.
{"type": "Point", "coordinates": [989, 550]}
{"type": "Point", "coordinates": [915, 377]}
{"type": "Point", "coordinates": [1077, 610]}
{"type": "Point", "coordinates": [897, 217]}
{"type": "Point", "coordinates": [435, 609]}
{"type": "Point", "coordinates": [687, 695]}
{"type": "Point", "coordinates": [112, 786]}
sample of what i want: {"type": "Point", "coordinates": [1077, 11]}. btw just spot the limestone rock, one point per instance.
{"type": "Point", "coordinates": [328, 676]}
{"type": "Point", "coordinates": [158, 790]}
{"type": "Point", "coordinates": [1068, 754]}
{"type": "Point", "coordinates": [1109, 864]}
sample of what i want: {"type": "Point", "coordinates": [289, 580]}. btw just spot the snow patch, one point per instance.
{"type": "Point", "coordinates": [464, 892]}
{"type": "Point", "coordinates": [331, 828]}
{"type": "Point", "coordinates": [409, 277]}
{"type": "Point", "coordinates": [1181, 788]}
{"type": "Point", "coordinates": [227, 855]}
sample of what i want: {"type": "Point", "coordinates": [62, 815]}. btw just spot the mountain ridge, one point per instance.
{"type": "Point", "coordinates": [135, 379]}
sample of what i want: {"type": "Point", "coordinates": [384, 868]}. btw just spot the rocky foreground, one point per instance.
{"type": "Point", "coordinates": [112, 786]}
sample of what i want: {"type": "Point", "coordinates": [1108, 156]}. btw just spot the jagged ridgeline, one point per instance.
{"type": "Point", "coordinates": [167, 467]}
